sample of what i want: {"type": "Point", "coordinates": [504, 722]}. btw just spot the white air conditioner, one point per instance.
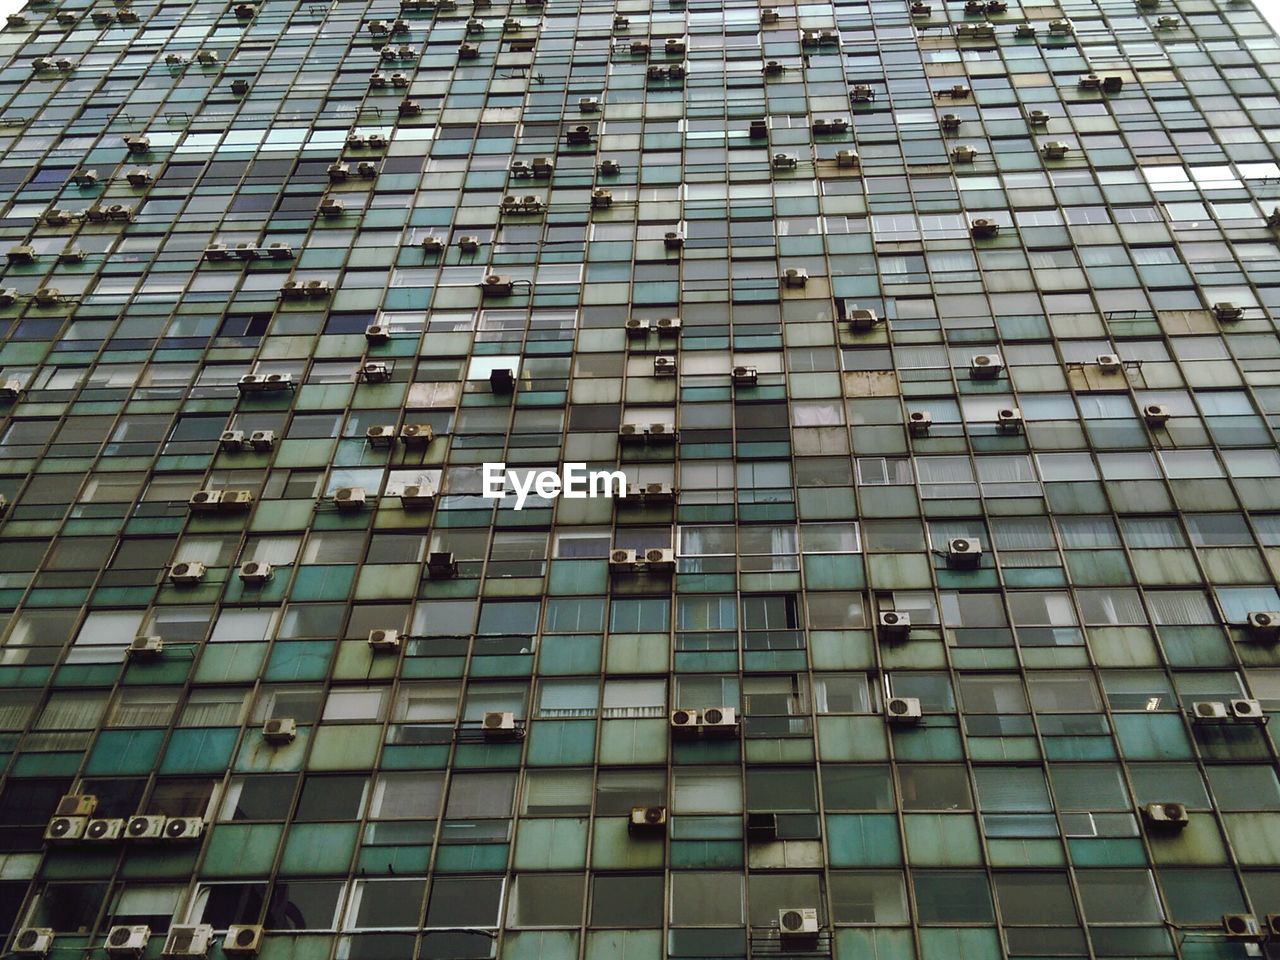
{"type": "Point", "coordinates": [902, 709]}
{"type": "Point", "coordinates": [894, 624]}
{"type": "Point", "coordinates": [384, 640]}
{"type": "Point", "coordinates": [1209, 710]}
{"type": "Point", "coordinates": [985, 366]}
{"type": "Point", "coordinates": [375, 371]}
{"type": "Point", "coordinates": [498, 725]}
{"type": "Point", "coordinates": [1241, 926]}
{"type": "Point", "coordinates": [255, 571]}
{"type": "Point", "coordinates": [984, 229]}
{"type": "Point", "coordinates": [1263, 625]}
{"type": "Point", "coordinates": [145, 648]}
{"type": "Point", "coordinates": [235, 500]}
{"type": "Point", "coordinates": [280, 730]}
{"type": "Point", "coordinates": [667, 324]}
{"type": "Point", "coordinates": [622, 560]}
{"type": "Point", "coordinates": [685, 722]}
{"type": "Point", "coordinates": [243, 940]}
{"type": "Point", "coordinates": [659, 558]}
{"type": "Point", "coordinates": [847, 158]}
{"type": "Point", "coordinates": [183, 829]}
{"type": "Point", "coordinates": [745, 376]}
{"type": "Point", "coordinates": [862, 320]}
{"type": "Point", "coordinates": [1109, 363]}
{"type": "Point", "coordinates": [188, 940]}
{"type": "Point", "coordinates": [1227, 311]}
{"type": "Point", "coordinates": [720, 721]}
{"type": "Point", "coordinates": [204, 501]}
{"type": "Point", "coordinates": [588, 104]}
{"type": "Point", "coordinates": [661, 431]}
{"type": "Point", "coordinates": [795, 277]}
{"type": "Point", "coordinates": [1165, 815]}
{"type": "Point", "coordinates": [496, 285]}
{"type": "Point", "coordinates": [107, 830]}
{"type": "Point", "coordinates": [145, 827]}
{"type": "Point", "coordinates": [648, 820]}
{"type": "Point", "coordinates": [1247, 709]}
{"type": "Point", "coordinates": [1156, 414]}
{"type": "Point", "coordinates": [279, 251]}
{"type": "Point", "coordinates": [673, 240]}
{"type": "Point", "coordinates": [416, 434]}
{"type": "Point", "coordinates": [963, 153]}
{"type": "Point", "coordinates": [191, 571]}
{"type": "Point", "coordinates": [127, 941]}
{"type": "Point", "coordinates": [377, 333]}
{"type": "Point", "coordinates": [797, 926]}
{"type": "Point", "coordinates": [1054, 150]}
{"type": "Point", "coordinates": [636, 327]}
{"type": "Point", "coordinates": [664, 366]}
{"type": "Point", "coordinates": [919, 422]}
{"type": "Point", "coordinates": [783, 161]}
{"type": "Point", "coordinates": [383, 435]}
{"type": "Point", "coordinates": [262, 440]}
{"type": "Point", "coordinates": [65, 829]}
{"type": "Point", "coordinates": [964, 552]}
{"type": "Point", "coordinates": [33, 941]}
{"type": "Point", "coordinates": [349, 498]}
{"type": "Point", "coordinates": [1009, 420]}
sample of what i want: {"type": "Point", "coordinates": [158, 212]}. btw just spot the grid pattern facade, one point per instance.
{"type": "Point", "coordinates": [969, 413]}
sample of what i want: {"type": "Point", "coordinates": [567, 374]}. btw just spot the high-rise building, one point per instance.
{"type": "Point", "coordinates": [915, 370]}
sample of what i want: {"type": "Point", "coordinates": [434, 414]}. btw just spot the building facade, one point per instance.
{"type": "Point", "coordinates": [936, 344]}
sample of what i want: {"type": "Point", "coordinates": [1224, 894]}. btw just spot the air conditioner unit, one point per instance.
{"type": "Point", "coordinates": [1009, 420]}
{"type": "Point", "coordinates": [246, 251]}
{"type": "Point", "coordinates": [759, 130]}
{"type": "Point", "coordinates": [543, 167]}
{"type": "Point", "coordinates": [204, 501]}
{"type": "Point", "coordinates": [496, 285]}
{"type": "Point", "coordinates": [409, 108]}
{"type": "Point", "coordinates": [964, 553]}
{"type": "Point", "coordinates": [255, 571]}
{"type": "Point", "coordinates": [661, 431]}
{"type": "Point", "coordinates": [381, 641]}
{"type": "Point", "coordinates": [821, 126]}
{"type": "Point", "coordinates": [416, 434]}
{"type": "Point", "coordinates": [441, 565]}
{"type": "Point", "coordinates": [648, 820]}
{"type": "Point", "coordinates": [720, 721]}
{"type": "Point", "coordinates": [1168, 23]}
{"type": "Point", "coordinates": [745, 376]}
{"type": "Point", "coordinates": [762, 827]}
{"type": "Point", "coordinates": [468, 244]}
{"type": "Point", "coordinates": [588, 104]}
{"type": "Point", "coordinates": [798, 926]}
{"type": "Point", "coordinates": [664, 366]}
{"type": "Point", "coordinates": [636, 327]}
{"type": "Point", "coordinates": [280, 730]}
{"type": "Point", "coordinates": [183, 829]}
{"type": "Point", "coordinates": [1241, 926]}
{"type": "Point", "coordinates": [578, 136]}
{"type": "Point", "coordinates": [332, 208]}
{"type": "Point", "coordinates": [234, 501]}
{"type": "Point", "coordinates": [243, 940]}
{"type": "Point", "coordinates": [919, 422]}
{"type": "Point", "coordinates": [191, 571]}
{"type": "Point", "coordinates": [1209, 710]}
{"type": "Point", "coordinates": [377, 141]}
{"type": "Point", "coordinates": [262, 440]}
{"type": "Point", "coordinates": [667, 324]}
{"type": "Point", "coordinates": [47, 296]}
{"type": "Point", "coordinates": [1089, 81]}
{"type": "Point", "coordinates": [674, 45]}
{"type": "Point", "coordinates": [773, 68]}
{"type": "Point", "coordinates": [1025, 31]}
{"type": "Point", "coordinates": [963, 154]}
{"type": "Point", "coordinates": [245, 11]}
{"type": "Point", "coordinates": [58, 218]}
{"type": "Point", "coordinates": [1247, 709]}
{"type": "Point", "coordinates": [417, 496]}
{"type": "Point", "coordinates": [8, 296]}
{"type": "Point", "coordinates": [984, 229]}
{"type": "Point", "coordinates": [621, 23]}
{"type": "Point", "coordinates": [231, 440]}
{"type": "Point", "coordinates": [1109, 363]}
{"type": "Point", "coordinates": [975, 31]}
{"type": "Point", "coordinates": [137, 144]}
{"type": "Point", "coordinates": [622, 560]}
{"type": "Point", "coordinates": [1165, 815]}
{"type": "Point", "coordinates": [206, 58]}
{"type": "Point", "coordinates": [1054, 150]}
{"type": "Point", "coordinates": [1156, 414]}
{"type": "Point", "coordinates": [1227, 311]}
{"type": "Point", "coordinates": [22, 253]}
{"type": "Point", "coordinates": [280, 251]}
{"type": "Point", "coordinates": [684, 722]}
{"type": "Point", "coordinates": [127, 941]}
{"type": "Point", "coordinates": [1112, 84]}
{"type": "Point", "coordinates": [894, 624]}
{"type": "Point", "coordinates": [145, 827]}
{"type": "Point", "coordinates": [795, 277]}
{"type": "Point", "coordinates": [10, 390]}
{"type": "Point", "coordinates": [432, 245]}
{"type": "Point", "coordinates": [921, 10]}
{"type": "Point", "coordinates": [33, 941]}
{"type": "Point", "coordinates": [349, 499]}
{"type": "Point", "coordinates": [375, 371]}
{"type": "Point", "coordinates": [902, 709]}
{"type": "Point", "coordinates": [673, 240]}
{"type": "Point", "coordinates": [783, 161]}
{"type": "Point", "coordinates": [498, 725]}
{"type": "Point", "coordinates": [65, 829]}
{"type": "Point", "coordinates": [145, 647]}
{"type": "Point", "coordinates": [861, 320]}
{"type": "Point", "coordinates": [949, 122]}
{"type": "Point", "coordinates": [861, 93]}
{"type": "Point", "coordinates": [76, 805]}
{"type": "Point", "coordinates": [381, 436]}
{"type": "Point", "coordinates": [601, 199]}
{"type": "Point", "coordinates": [1061, 28]}
{"type": "Point", "coordinates": [106, 830]}
{"type": "Point", "coordinates": [985, 366]}
{"type": "Point", "coordinates": [1263, 625]}
{"type": "Point", "coordinates": [186, 940]}
{"type": "Point", "coordinates": [847, 158]}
